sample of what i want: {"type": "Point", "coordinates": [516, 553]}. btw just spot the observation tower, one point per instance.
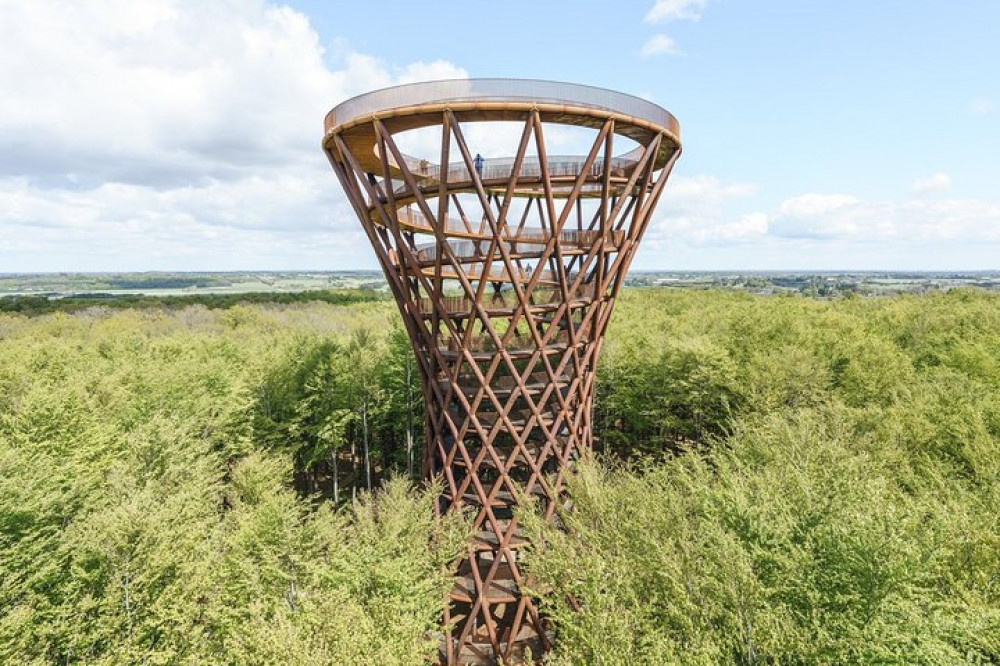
{"type": "Point", "coordinates": [505, 260]}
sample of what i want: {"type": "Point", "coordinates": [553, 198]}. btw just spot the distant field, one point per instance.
{"type": "Point", "coordinates": [44, 293]}
{"type": "Point", "coordinates": [823, 284]}
{"type": "Point", "coordinates": [177, 284]}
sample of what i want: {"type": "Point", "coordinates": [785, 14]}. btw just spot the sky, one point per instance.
{"type": "Point", "coordinates": [185, 135]}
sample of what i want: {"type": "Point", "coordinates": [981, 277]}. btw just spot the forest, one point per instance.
{"type": "Point", "coordinates": [776, 480]}
{"type": "Point", "coordinates": [36, 304]}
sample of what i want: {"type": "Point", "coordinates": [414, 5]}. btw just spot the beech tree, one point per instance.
{"type": "Point", "coordinates": [778, 480]}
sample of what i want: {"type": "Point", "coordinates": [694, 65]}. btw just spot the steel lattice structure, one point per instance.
{"type": "Point", "coordinates": [505, 271]}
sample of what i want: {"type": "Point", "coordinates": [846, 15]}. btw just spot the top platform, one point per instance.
{"type": "Point", "coordinates": [499, 95]}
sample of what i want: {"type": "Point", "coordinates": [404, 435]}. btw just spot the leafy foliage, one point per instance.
{"type": "Point", "coordinates": [835, 500]}
{"type": "Point", "coordinates": [142, 521]}
{"type": "Point", "coordinates": [779, 480]}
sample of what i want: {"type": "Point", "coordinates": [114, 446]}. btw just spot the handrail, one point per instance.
{"type": "Point", "coordinates": [499, 90]}
{"type": "Point", "coordinates": [500, 168]}
{"type": "Point", "coordinates": [479, 231]}
{"type": "Point", "coordinates": [473, 250]}
{"type": "Point", "coordinates": [541, 298]}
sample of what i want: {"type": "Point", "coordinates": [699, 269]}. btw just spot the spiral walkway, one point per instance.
{"type": "Point", "coordinates": [506, 271]}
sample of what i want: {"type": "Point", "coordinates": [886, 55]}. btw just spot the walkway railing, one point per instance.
{"type": "Point", "coordinates": [500, 90]}
{"type": "Point", "coordinates": [480, 231]}
{"type": "Point", "coordinates": [501, 168]}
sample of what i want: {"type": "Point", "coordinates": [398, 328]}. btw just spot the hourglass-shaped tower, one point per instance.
{"type": "Point", "coordinates": [505, 268]}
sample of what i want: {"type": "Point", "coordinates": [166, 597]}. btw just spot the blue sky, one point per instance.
{"type": "Point", "coordinates": [174, 135]}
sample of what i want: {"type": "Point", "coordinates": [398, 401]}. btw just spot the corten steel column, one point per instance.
{"type": "Point", "coordinates": [505, 271]}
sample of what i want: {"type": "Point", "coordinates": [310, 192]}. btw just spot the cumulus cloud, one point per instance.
{"type": "Point", "coordinates": [981, 106]}
{"type": "Point", "coordinates": [676, 10]}
{"type": "Point", "coordinates": [939, 182]}
{"type": "Point", "coordinates": [695, 209]}
{"type": "Point", "coordinates": [815, 206]}
{"type": "Point", "coordinates": [751, 226]}
{"type": "Point", "coordinates": [659, 45]}
{"type": "Point", "coordinates": [669, 10]}
{"type": "Point", "coordinates": [841, 217]}
{"type": "Point", "coordinates": [163, 91]}
{"type": "Point", "coordinates": [702, 190]}
{"type": "Point", "coordinates": [172, 129]}
{"type": "Point", "coordinates": [702, 211]}
{"type": "Point", "coordinates": [267, 222]}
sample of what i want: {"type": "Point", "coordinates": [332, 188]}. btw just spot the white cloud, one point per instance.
{"type": "Point", "coordinates": [659, 45]}
{"type": "Point", "coordinates": [676, 10]}
{"type": "Point", "coordinates": [173, 91]}
{"type": "Point", "coordinates": [701, 211]}
{"type": "Point", "coordinates": [183, 132]}
{"type": "Point", "coordinates": [981, 106]}
{"type": "Point", "coordinates": [263, 221]}
{"type": "Point", "coordinates": [840, 217]}
{"type": "Point", "coordinates": [751, 226]}
{"type": "Point", "coordinates": [694, 210]}
{"type": "Point", "coordinates": [813, 206]}
{"type": "Point", "coordinates": [939, 182]}
{"type": "Point", "coordinates": [700, 190]}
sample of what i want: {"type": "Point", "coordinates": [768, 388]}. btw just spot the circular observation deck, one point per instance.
{"type": "Point", "coordinates": [359, 134]}
{"type": "Point", "coordinates": [489, 99]}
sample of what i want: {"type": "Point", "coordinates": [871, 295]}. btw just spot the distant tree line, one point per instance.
{"type": "Point", "coordinates": [41, 304]}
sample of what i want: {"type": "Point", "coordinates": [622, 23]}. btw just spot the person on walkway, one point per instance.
{"type": "Point", "coordinates": [478, 163]}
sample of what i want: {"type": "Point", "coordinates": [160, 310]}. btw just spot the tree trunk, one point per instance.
{"type": "Point", "coordinates": [336, 477]}
{"type": "Point", "coordinates": [409, 418]}
{"type": "Point", "coordinates": [354, 470]}
{"type": "Point", "coordinates": [368, 460]}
